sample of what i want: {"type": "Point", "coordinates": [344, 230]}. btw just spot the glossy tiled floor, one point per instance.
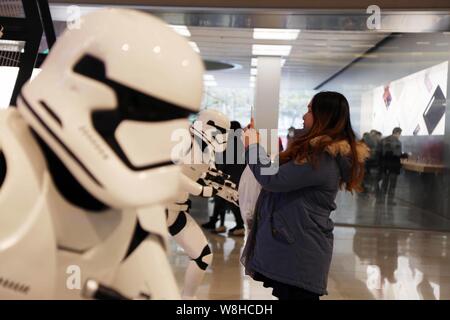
{"type": "Point", "coordinates": [368, 211]}
{"type": "Point", "coordinates": [368, 263]}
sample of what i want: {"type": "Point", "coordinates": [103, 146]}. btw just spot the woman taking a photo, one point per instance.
{"type": "Point", "coordinates": [290, 244]}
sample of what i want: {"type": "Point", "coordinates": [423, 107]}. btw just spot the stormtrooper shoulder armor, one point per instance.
{"type": "Point", "coordinates": [22, 164]}
{"type": "Point", "coordinates": [26, 228]}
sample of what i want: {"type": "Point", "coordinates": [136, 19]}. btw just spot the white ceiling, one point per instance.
{"type": "Point", "coordinates": [319, 52]}
{"type": "Point", "coordinates": [315, 55]}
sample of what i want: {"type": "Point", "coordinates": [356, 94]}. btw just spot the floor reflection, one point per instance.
{"type": "Point", "coordinates": [368, 263]}
{"type": "Point", "coordinates": [367, 210]}
{"type": "Point", "coordinates": [390, 264]}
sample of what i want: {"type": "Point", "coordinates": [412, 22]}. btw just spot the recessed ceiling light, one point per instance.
{"type": "Point", "coordinates": [271, 50]}
{"type": "Point", "coordinates": [254, 62]}
{"type": "Point", "coordinates": [208, 77]}
{"type": "Point", "coordinates": [182, 30]}
{"type": "Point", "coordinates": [194, 46]}
{"type": "Point", "coordinates": [275, 34]}
{"type": "Point", "coordinates": [210, 83]}
{"type": "Point", "coordinates": [360, 45]}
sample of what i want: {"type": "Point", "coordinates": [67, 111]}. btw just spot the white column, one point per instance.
{"type": "Point", "coordinates": [267, 97]}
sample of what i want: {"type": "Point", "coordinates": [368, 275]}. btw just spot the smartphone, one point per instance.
{"type": "Point", "coordinates": [435, 110]}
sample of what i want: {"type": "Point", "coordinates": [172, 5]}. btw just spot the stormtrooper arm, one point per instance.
{"type": "Point", "coordinates": [217, 176]}
{"type": "Point", "coordinates": [198, 188]}
{"type": "Point", "coordinates": [207, 190]}
{"type": "Point", "coordinates": [221, 184]}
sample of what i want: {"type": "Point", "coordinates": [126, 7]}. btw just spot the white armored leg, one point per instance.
{"type": "Point", "coordinates": [145, 272]}
{"type": "Point", "coordinates": [190, 237]}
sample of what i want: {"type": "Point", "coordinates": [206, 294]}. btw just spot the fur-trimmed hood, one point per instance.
{"type": "Point", "coordinates": [341, 150]}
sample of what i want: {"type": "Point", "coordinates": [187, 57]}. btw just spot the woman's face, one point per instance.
{"type": "Point", "coordinates": [308, 118]}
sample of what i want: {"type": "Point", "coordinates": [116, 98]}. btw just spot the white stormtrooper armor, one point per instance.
{"type": "Point", "coordinates": [208, 135]}
{"type": "Point", "coordinates": [85, 162]}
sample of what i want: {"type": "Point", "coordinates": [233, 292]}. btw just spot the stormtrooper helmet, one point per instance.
{"type": "Point", "coordinates": [212, 126]}
{"type": "Point", "coordinates": [108, 99]}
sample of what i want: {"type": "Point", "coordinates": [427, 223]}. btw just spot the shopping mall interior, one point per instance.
{"type": "Point", "coordinates": [264, 61]}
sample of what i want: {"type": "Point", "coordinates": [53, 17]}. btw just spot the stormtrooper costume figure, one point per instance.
{"type": "Point", "coordinates": [86, 165]}
{"type": "Point", "coordinates": [208, 135]}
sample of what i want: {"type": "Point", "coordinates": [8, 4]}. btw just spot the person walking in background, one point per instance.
{"type": "Point", "coordinates": [290, 244]}
{"type": "Point", "coordinates": [231, 162]}
{"type": "Point", "coordinates": [390, 165]}
{"type": "Point", "coordinates": [376, 154]}
{"type": "Point", "coordinates": [372, 163]}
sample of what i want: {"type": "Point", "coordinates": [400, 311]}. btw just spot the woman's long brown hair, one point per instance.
{"type": "Point", "coordinates": [331, 117]}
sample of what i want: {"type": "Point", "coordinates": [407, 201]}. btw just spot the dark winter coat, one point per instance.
{"type": "Point", "coordinates": [293, 240]}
